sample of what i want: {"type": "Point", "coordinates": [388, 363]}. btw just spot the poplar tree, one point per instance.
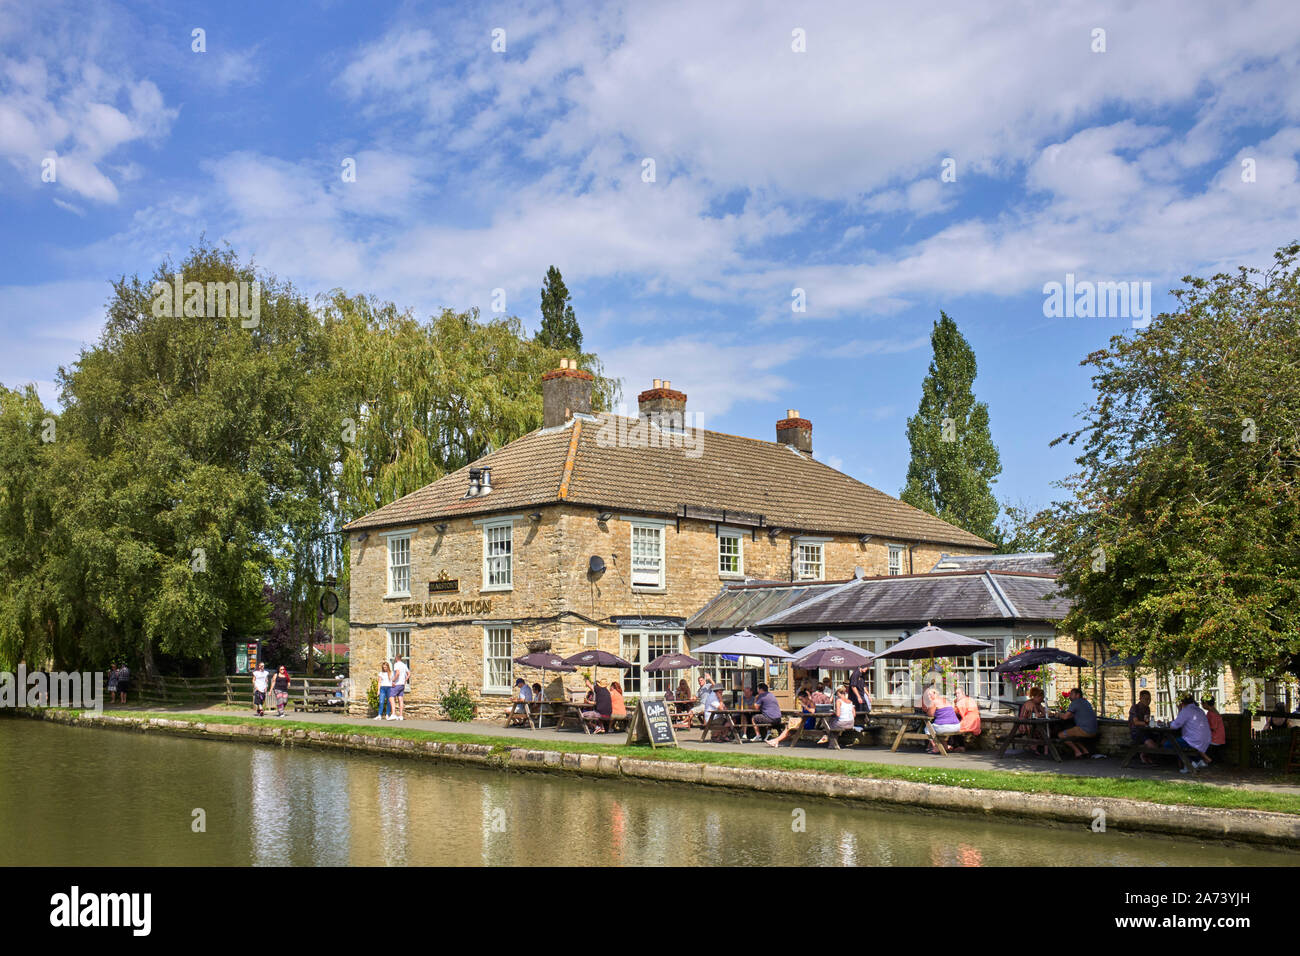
{"type": "Point", "coordinates": [559, 328]}
{"type": "Point", "coordinates": [954, 461]}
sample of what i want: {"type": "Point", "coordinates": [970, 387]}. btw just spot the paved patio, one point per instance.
{"type": "Point", "coordinates": [908, 756]}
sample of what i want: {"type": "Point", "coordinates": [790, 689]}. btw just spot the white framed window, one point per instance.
{"type": "Point", "coordinates": [399, 565]}
{"type": "Point", "coordinates": [895, 559]}
{"type": "Point", "coordinates": [399, 642]}
{"type": "Point", "coordinates": [498, 658]}
{"type": "Point", "coordinates": [640, 648]}
{"type": "Point", "coordinates": [647, 556]}
{"type": "Point", "coordinates": [731, 554]}
{"type": "Point", "coordinates": [809, 563]}
{"type": "Point", "coordinates": [498, 556]}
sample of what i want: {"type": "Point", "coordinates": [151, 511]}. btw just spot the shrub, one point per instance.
{"type": "Point", "coordinates": [372, 697]}
{"type": "Point", "coordinates": [457, 703]}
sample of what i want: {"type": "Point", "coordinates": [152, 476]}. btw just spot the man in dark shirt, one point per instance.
{"type": "Point", "coordinates": [858, 689]}
{"type": "Point", "coordinates": [768, 713]}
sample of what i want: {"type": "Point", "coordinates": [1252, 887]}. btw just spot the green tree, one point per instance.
{"type": "Point", "coordinates": [954, 461]}
{"type": "Point", "coordinates": [30, 610]}
{"type": "Point", "coordinates": [1181, 537]}
{"type": "Point", "coordinates": [559, 329]}
{"type": "Point", "coordinates": [418, 400]}
{"type": "Point", "coordinates": [1021, 529]}
{"type": "Point", "coordinates": [199, 458]}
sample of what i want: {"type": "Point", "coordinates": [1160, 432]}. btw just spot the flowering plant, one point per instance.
{"type": "Point", "coordinates": [1026, 680]}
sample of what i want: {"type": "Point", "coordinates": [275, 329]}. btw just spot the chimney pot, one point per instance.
{"type": "Point", "coordinates": [663, 405]}
{"type": "Point", "coordinates": [566, 391]}
{"type": "Point", "coordinates": [795, 431]}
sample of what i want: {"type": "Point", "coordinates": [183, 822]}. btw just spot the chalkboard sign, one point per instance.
{"type": "Point", "coordinates": [653, 724]}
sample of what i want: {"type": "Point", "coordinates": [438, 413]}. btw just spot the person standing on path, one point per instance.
{"type": "Point", "coordinates": [123, 682]}
{"type": "Point", "coordinates": [401, 675]}
{"type": "Point", "coordinates": [281, 690]}
{"type": "Point", "coordinates": [112, 683]}
{"type": "Point", "coordinates": [261, 683]}
{"type": "Point", "coordinates": [385, 687]}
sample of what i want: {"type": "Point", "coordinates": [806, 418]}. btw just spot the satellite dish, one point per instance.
{"type": "Point", "coordinates": [596, 566]}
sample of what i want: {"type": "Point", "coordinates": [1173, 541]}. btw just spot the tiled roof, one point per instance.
{"type": "Point", "coordinates": [712, 470]}
{"type": "Point", "coordinates": [1039, 562]}
{"type": "Point", "coordinates": [744, 605]}
{"type": "Point", "coordinates": [960, 596]}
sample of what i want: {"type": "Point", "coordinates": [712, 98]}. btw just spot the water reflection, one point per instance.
{"type": "Point", "coordinates": [106, 797]}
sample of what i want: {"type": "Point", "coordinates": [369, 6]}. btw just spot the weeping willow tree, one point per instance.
{"type": "Point", "coordinates": [419, 400]}
{"type": "Point", "coordinates": [199, 458]}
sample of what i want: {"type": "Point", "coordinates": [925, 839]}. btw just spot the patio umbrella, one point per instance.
{"type": "Point", "coordinates": [1037, 657]}
{"type": "Point", "coordinates": [745, 644]}
{"type": "Point", "coordinates": [672, 662]}
{"type": "Point", "coordinates": [833, 658]}
{"type": "Point", "coordinates": [544, 660]}
{"type": "Point", "coordinates": [597, 659]}
{"type": "Point", "coordinates": [826, 642]}
{"type": "Point", "coordinates": [931, 641]}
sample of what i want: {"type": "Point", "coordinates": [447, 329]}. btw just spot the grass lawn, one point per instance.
{"type": "Point", "coordinates": [1176, 793]}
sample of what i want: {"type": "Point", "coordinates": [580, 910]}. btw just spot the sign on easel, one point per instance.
{"type": "Point", "coordinates": [653, 724]}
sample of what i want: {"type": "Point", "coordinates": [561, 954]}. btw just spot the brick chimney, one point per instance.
{"type": "Point", "coordinates": [795, 431]}
{"type": "Point", "coordinates": [566, 391]}
{"type": "Point", "coordinates": [663, 404]}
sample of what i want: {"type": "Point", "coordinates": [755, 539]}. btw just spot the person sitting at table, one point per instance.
{"type": "Point", "coordinates": [537, 691]}
{"type": "Point", "coordinates": [844, 714]}
{"type": "Point", "coordinates": [1084, 725]}
{"type": "Point", "coordinates": [1194, 731]}
{"type": "Point", "coordinates": [817, 696]}
{"type": "Point", "coordinates": [946, 722]}
{"type": "Point", "coordinates": [768, 712]}
{"type": "Point", "coordinates": [1218, 734]}
{"type": "Point", "coordinates": [603, 704]}
{"type": "Point", "coordinates": [1139, 725]}
{"type": "Point", "coordinates": [683, 690]}
{"type": "Point", "coordinates": [968, 712]}
{"type": "Point", "coordinates": [523, 695]}
{"type": "Point", "coordinates": [804, 699]}
{"type": "Point", "coordinates": [617, 707]}
{"type": "Point", "coordinates": [1033, 709]}
{"type": "Point", "coordinates": [705, 696]}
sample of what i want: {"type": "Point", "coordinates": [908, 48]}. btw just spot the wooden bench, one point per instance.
{"type": "Point", "coordinates": [524, 713]}
{"type": "Point", "coordinates": [317, 698]}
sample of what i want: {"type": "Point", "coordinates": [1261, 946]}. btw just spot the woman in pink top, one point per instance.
{"type": "Point", "coordinates": [969, 711]}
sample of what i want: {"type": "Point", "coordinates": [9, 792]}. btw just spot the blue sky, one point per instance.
{"type": "Point", "coordinates": [775, 169]}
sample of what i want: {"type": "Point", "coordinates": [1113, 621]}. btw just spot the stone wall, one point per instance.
{"type": "Point", "coordinates": [552, 597]}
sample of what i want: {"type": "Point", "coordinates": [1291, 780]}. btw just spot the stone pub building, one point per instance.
{"type": "Point", "coordinates": [601, 530]}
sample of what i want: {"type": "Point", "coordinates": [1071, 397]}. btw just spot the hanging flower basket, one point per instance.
{"type": "Point", "coordinates": [538, 647]}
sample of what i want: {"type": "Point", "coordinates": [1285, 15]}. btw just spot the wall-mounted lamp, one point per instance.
{"type": "Point", "coordinates": [535, 516]}
{"type": "Point", "coordinates": [772, 533]}
{"type": "Point", "coordinates": [604, 516]}
{"type": "Point", "coordinates": [864, 538]}
{"type": "Point", "coordinates": [361, 538]}
{"type": "Point", "coordinates": [441, 528]}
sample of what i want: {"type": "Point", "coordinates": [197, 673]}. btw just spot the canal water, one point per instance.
{"type": "Point", "coordinates": [79, 796]}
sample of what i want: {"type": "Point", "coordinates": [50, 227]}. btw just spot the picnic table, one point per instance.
{"type": "Point", "coordinates": [570, 711]}
{"type": "Point", "coordinates": [1163, 735]}
{"type": "Point", "coordinates": [1037, 730]}
{"type": "Point", "coordinates": [677, 709]}
{"type": "Point", "coordinates": [525, 713]}
{"type": "Point", "coordinates": [821, 722]}
{"type": "Point", "coordinates": [913, 726]}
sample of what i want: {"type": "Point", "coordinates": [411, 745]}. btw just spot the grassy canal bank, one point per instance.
{"type": "Point", "coordinates": [1187, 808]}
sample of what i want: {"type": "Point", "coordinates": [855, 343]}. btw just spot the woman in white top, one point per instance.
{"type": "Point", "coordinates": [385, 687]}
{"type": "Point", "coordinates": [844, 714]}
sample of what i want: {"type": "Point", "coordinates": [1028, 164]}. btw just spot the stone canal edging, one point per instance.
{"type": "Point", "coordinates": [1249, 826]}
